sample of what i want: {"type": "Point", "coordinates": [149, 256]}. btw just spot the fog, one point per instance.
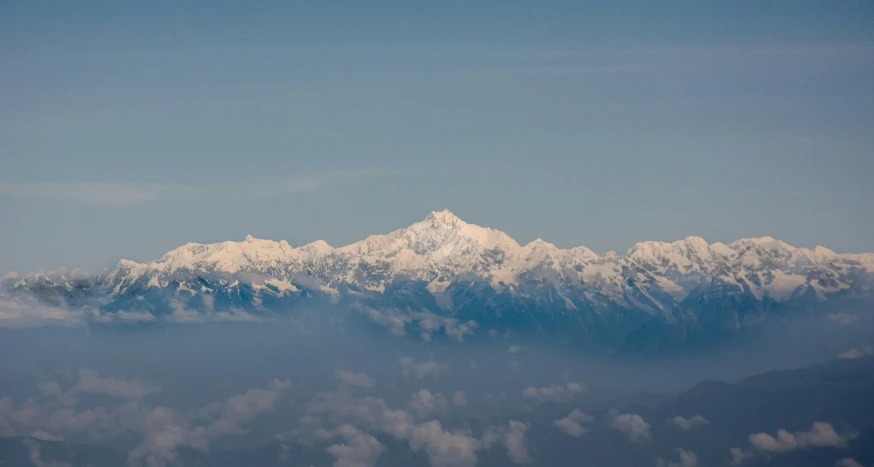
{"type": "Point", "coordinates": [290, 394]}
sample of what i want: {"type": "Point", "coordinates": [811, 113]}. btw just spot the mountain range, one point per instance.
{"type": "Point", "coordinates": [443, 276]}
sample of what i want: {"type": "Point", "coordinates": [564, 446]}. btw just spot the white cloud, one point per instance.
{"type": "Point", "coordinates": [444, 448]}
{"type": "Point", "coordinates": [134, 317]}
{"type": "Point", "coordinates": [163, 430]}
{"type": "Point", "coordinates": [421, 370]}
{"type": "Point", "coordinates": [359, 450]}
{"type": "Point", "coordinates": [689, 423]}
{"type": "Point", "coordinates": [572, 423]}
{"type": "Point", "coordinates": [512, 437]}
{"type": "Point", "coordinates": [23, 312]}
{"type": "Point", "coordinates": [234, 315]}
{"type": "Point", "coordinates": [514, 441]}
{"type": "Point", "coordinates": [738, 456]}
{"type": "Point", "coordinates": [182, 315]}
{"type": "Point", "coordinates": [459, 399]}
{"type": "Point", "coordinates": [687, 459]}
{"type": "Point", "coordinates": [242, 408]}
{"type": "Point", "coordinates": [632, 425]}
{"type": "Point", "coordinates": [159, 448]}
{"type": "Point", "coordinates": [90, 382]}
{"type": "Point", "coordinates": [847, 462]}
{"type": "Point", "coordinates": [784, 441]}
{"type": "Point", "coordinates": [34, 455]}
{"type": "Point", "coordinates": [430, 322]}
{"type": "Point", "coordinates": [396, 321]}
{"type": "Point", "coordinates": [39, 434]}
{"type": "Point", "coordinates": [179, 315]}
{"type": "Point", "coordinates": [513, 349]}
{"type": "Point", "coordinates": [392, 320]}
{"type": "Point", "coordinates": [133, 417]}
{"type": "Point", "coordinates": [354, 379]}
{"type": "Point", "coordinates": [857, 352]}
{"type": "Point", "coordinates": [424, 403]}
{"type": "Point", "coordinates": [30, 417]}
{"type": "Point", "coordinates": [310, 429]}
{"type": "Point", "coordinates": [845, 319]}
{"type": "Point", "coordinates": [821, 434]}
{"type": "Point", "coordinates": [457, 331]}
{"type": "Point", "coordinates": [554, 392]}
{"type": "Point", "coordinates": [575, 388]}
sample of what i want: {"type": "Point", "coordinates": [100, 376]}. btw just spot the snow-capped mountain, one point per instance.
{"type": "Point", "coordinates": [463, 273]}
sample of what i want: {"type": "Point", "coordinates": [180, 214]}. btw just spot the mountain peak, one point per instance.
{"type": "Point", "coordinates": [539, 243]}
{"type": "Point", "coordinates": [127, 264]}
{"type": "Point", "coordinates": [444, 217]}
{"type": "Point", "coordinates": [694, 240]}
{"type": "Point", "coordinates": [318, 246]}
{"type": "Point", "coordinates": [766, 242]}
{"type": "Point", "coordinates": [249, 238]}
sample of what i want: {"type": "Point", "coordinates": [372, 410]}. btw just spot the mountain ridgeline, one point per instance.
{"type": "Point", "coordinates": [454, 280]}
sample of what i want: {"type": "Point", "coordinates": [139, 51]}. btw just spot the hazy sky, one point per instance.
{"type": "Point", "coordinates": [129, 128]}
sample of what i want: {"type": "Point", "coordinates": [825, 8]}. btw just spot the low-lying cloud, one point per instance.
{"type": "Point", "coordinates": [687, 459]}
{"type": "Point", "coordinates": [554, 392]}
{"type": "Point", "coordinates": [573, 423]}
{"type": "Point", "coordinates": [689, 423]}
{"type": "Point", "coordinates": [632, 425]}
{"type": "Point", "coordinates": [857, 352]}
{"type": "Point", "coordinates": [163, 430]}
{"type": "Point", "coordinates": [422, 370]}
{"type": "Point", "coordinates": [359, 449]}
{"type": "Point", "coordinates": [821, 434]}
{"type": "Point", "coordinates": [354, 379]}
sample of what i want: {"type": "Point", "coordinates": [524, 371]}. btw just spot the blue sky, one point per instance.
{"type": "Point", "coordinates": [129, 128]}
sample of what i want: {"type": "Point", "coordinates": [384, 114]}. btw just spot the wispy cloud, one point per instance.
{"type": "Point", "coordinates": [554, 392]}
{"type": "Point", "coordinates": [130, 193]}
{"type": "Point", "coordinates": [717, 50]}
{"type": "Point", "coordinates": [688, 423]}
{"type": "Point", "coordinates": [857, 352]}
{"type": "Point", "coordinates": [613, 60]}
{"type": "Point", "coordinates": [104, 193]}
